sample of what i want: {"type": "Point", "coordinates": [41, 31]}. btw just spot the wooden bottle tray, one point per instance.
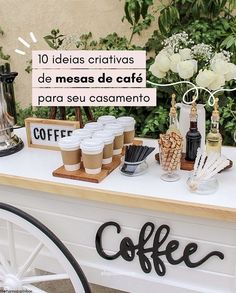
{"type": "Point", "coordinates": [94, 178]}
{"type": "Point", "coordinates": [188, 165]}
{"type": "Point", "coordinates": [185, 165]}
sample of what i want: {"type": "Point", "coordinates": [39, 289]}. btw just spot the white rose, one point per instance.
{"type": "Point", "coordinates": [219, 66]}
{"type": "Point", "coordinates": [164, 52]}
{"type": "Point", "coordinates": [174, 60]}
{"type": "Point", "coordinates": [163, 62]}
{"type": "Point", "coordinates": [231, 74]}
{"type": "Point", "coordinates": [217, 83]}
{"type": "Point", "coordinates": [156, 71]}
{"type": "Point", "coordinates": [195, 65]}
{"type": "Point", "coordinates": [186, 69]}
{"type": "Point", "coordinates": [185, 54]}
{"type": "Point", "coordinates": [218, 56]}
{"type": "Point", "coordinates": [205, 78]}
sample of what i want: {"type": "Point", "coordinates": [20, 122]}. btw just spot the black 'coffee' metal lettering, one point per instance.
{"type": "Point", "coordinates": [128, 250]}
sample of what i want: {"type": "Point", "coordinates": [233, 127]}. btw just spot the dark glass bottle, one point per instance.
{"type": "Point", "coordinates": [193, 136]}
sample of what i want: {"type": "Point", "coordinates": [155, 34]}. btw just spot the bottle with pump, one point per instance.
{"type": "Point", "coordinates": [174, 123]}
{"type": "Point", "coordinates": [214, 138]}
{"type": "Point", "coordinates": [193, 136]}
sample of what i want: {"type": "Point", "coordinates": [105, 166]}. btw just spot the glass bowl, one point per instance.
{"type": "Point", "coordinates": [133, 168]}
{"type": "Point", "coordinates": [208, 186]}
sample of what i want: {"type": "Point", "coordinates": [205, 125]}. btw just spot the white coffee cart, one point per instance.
{"type": "Point", "coordinates": [75, 210]}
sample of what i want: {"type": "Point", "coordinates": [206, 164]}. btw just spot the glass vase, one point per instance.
{"type": "Point", "coordinates": [170, 163]}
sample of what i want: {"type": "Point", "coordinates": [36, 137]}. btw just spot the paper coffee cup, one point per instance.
{"type": "Point", "coordinates": [106, 119]}
{"type": "Point", "coordinates": [118, 131]}
{"type": "Point", "coordinates": [129, 128]}
{"type": "Point", "coordinates": [70, 151]}
{"type": "Point", "coordinates": [83, 133]}
{"type": "Point", "coordinates": [92, 154]}
{"type": "Point", "coordinates": [108, 138]}
{"type": "Point", "coordinates": [93, 126]}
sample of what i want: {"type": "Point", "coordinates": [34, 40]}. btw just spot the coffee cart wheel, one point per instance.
{"type": "Point", "coordinates": [18, 276]}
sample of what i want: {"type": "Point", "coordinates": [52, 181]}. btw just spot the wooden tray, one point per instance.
{"type": "Point", "coordinates": [188, 165]}
{"type": "Point", "coordinates": [83, 176]}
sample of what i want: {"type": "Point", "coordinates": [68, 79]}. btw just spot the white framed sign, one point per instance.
{"type": "Point", "coordinates": [45, 133]}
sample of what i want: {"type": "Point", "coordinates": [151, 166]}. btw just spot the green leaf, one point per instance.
{"type": "Point", "coordinates": [50, 44]}
{"type": "Point", "coordinates": [54, 32]}
{"type": "Point", "coordinates": [230, 42]}
{"type": "Point", "coordinates": [175, 13]}
{"type": "Point", "coordinates": [127, 14]}
{"type": "Point", "coordinates": [3, 56]}
{"type": "Point", "coordinates": [137, 12]}
{"type": "Point", "coordinates": [49, 37]}
{"type": "Point", "coordinates": [161, 22]}
{"type": "Point", "coordinates": [144, 9]}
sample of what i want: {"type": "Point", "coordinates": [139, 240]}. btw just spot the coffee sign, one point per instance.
{"type": "Point", "coordinates": [151, 254]}
{"type": "Point", "coordinates": [45, 133]}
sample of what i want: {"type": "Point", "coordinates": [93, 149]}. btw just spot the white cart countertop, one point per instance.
{"type": "Point", "coordinates": [32, 169]}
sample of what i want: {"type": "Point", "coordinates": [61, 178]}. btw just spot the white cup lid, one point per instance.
{"type": "Point", "coordinates": [126, 120]}
{"type": "Point", "coordinates": [69, 142]}
{"type": "Point", "coordinates": [92, 145]}
{"type": "Point", "coordinates": [106, 119]}
{"type": "Point", "coordinates": [83, 133]}
{"type": "Point", "coordinates": [116, 128]}
{"type": "Point", "coordinates": [93, 126]}
{"type": "Point", "coordinates": [106, 135]}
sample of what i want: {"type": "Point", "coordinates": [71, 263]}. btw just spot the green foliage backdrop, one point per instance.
{"type": "Point", "coordinates": [206, 21]}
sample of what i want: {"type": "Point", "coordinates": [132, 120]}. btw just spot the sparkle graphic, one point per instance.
{"type": "Point", "coordinates": [33, 37]}
{"type": "Point", "coordinates": [26, 44]}
{"type": "Point", "coordinates": [19, 52]}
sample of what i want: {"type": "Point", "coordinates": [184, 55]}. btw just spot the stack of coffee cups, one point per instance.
{"type": "Point", "coordinates": [92, 155]}
{"type": "Point", "coordinates": [129, 128]}
{"type": "Point", "coordinates": [118, 132]}
{"type": "Point", "coordinates": [108, 139]}
{"type": "Point", "coordinates": [70, 151]}
{"type": "Point", "coordinates": [97, 143]}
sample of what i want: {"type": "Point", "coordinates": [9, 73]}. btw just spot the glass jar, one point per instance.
{"type": "Point", "coordinates": [133, 168]}
{"type": "Point", "coordinates": [207, 186]}
{"type": "Point", "coordinates": [170, 163]}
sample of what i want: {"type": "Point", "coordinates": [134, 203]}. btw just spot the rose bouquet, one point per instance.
{"type": "Point", "coordinates": [199, 64]}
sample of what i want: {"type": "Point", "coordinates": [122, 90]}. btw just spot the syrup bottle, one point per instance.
{"type": "Point", "coordinates": [193, 136]}
{"type": "Point", "coordinates": [173, 121]}
{"type": "Point", "coordinates": [214, 138]}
